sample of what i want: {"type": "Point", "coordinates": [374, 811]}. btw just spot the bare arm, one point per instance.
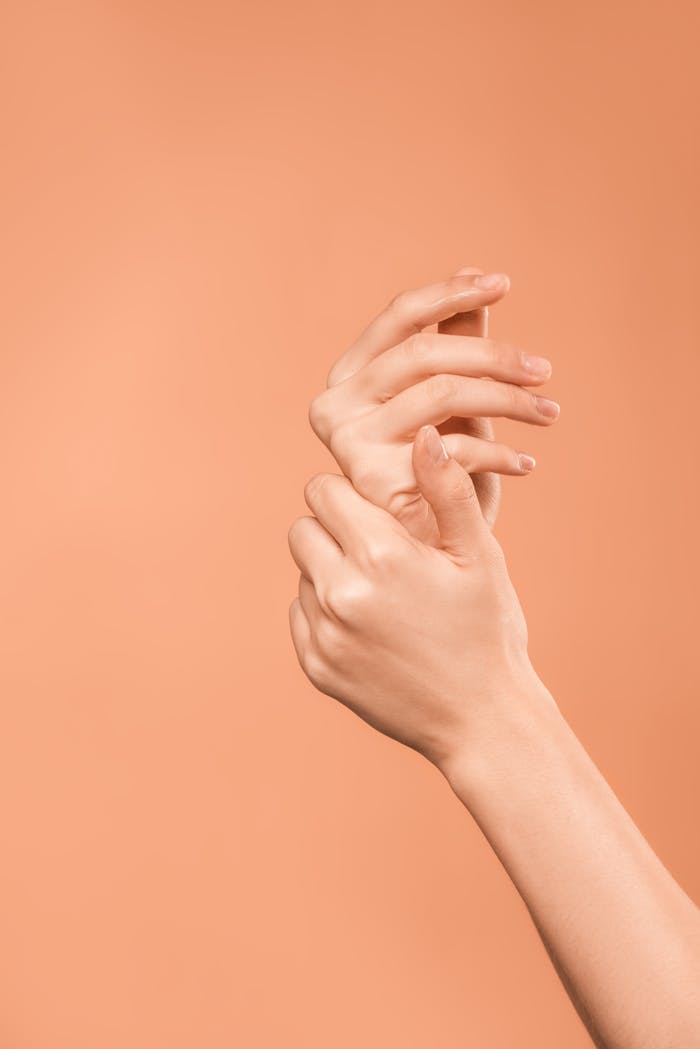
{"type": "Point", "coordinates": [428, 644]}
{"type": "Point", "coordinates": [623, 936]}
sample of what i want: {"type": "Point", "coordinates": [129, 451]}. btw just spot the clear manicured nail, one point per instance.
{"type": "Point", "coordinates": [490, 281]}
{"type": "Point", "coordinates": [437, 450]}
{"type": "Point", "coordinates": [538, 366]}
{"type": "Point", "coordinates": [527, 463]}
{"type": "Point", "coordinates": [547, 407]}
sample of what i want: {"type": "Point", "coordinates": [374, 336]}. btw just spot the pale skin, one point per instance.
{"type": "Point", "coordinates": [423, 637]}
{"type": "Point", "coordinates": [397, 377]}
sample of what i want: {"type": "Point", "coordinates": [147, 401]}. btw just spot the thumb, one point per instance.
{"type": "Point", "coordinates": [449, 490]}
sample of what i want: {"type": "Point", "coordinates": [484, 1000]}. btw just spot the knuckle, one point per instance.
{"type": "Point", "coordinates": [380, 554]}
{"type": "Point", "coordinates": [315, 668]}
{"type": "Point", "coordinates": [314, 486]}
{"type": "Point", "coordinates": [338, 600]}
{"type": "Point", "coordinates": [518, 361]}
{"type": "Point", "coordinates": [320, 416]}
{"type": "Point", "coordinates": [366, 476]}
{"type": "Point", "coordinates": [503, 356]}
{"type": "Point", "coordinates": [416, 347]}
{"type": "Point", "coordinates": [376, 553]}
{"type": "Point", "coordinates": [405, 308]}
{"type": "Point", "coordinates": [400, 303]}
{"type": "Point", "coordinates": [341, 440]}
{"type": "Point", "coordinates": [464, 492]}
{"type": "Point", "coordinates": [398, 502]}
{"type": "Point", "coordinates": [516, 397]}
{"type": "Point", "coordinates": [441, 387]}
{"type": "Point", "coordinates": [517, 365]}
{"type": "Point", "coordinates": [334, 600]}
{"type": "Point", "coordinates": [347, 601]}
{"type": "Point", "coordinates": [340, 371]}
{"type": "Point", "coordinates": [523, 400]}
{"type": "Point", "coordinates": [529, 401]}
{"type": "Point", "coordinates": [328, 637]}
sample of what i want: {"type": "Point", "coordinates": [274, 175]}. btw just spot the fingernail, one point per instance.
{"type": "Point", "coordinates": [547, 407]}
{"type": "Point", "coordinates": [490, 281]}
{"type": "Point", "coordinates": [527, 463]}
{"type": "Point", "coordinates": [436, 449]}
{"type": "Point", "coordinates": [539, 366]}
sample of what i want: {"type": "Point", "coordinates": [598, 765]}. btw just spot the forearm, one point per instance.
{"type": "Point", "coordinates": [622, 934]}
{"type": "Point", "coordinates": [425, 643]}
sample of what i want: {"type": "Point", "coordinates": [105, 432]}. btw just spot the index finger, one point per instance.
{"type": "Point", "coordinates": [411, 311]}
{"type": "Point", "coordinates": [355, 523]}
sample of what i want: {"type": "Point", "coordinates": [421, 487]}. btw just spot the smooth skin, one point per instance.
{"type": "Point", "coordinates": [427, 642]}
{"type": "Point", "coordinates": [397, 377]}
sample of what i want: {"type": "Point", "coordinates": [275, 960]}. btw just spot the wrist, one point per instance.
{"type": "Point", "coordinates": [523, 721]}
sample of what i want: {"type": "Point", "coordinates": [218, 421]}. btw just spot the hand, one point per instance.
{"type": "Point", "coordinates": [423, 643]}
{"type": "Point", "coordinates": [429, 645]}
{"type": "Point", "coordinates": [397, 377]}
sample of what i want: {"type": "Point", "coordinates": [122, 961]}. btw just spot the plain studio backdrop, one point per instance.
{"type": "Point", "coordinates": [202, 205]}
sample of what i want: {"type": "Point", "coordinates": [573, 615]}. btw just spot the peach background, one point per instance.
{"type": "Point", "coordinates": [202, 205]}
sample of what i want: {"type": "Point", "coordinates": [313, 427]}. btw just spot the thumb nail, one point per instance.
{"type": "Point", "coordinates": [436, 449]}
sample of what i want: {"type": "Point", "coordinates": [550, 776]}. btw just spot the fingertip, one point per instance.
{"type": "Point", "coordinates": [527, 463]}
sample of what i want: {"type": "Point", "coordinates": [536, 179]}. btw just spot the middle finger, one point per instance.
{"type": "Point", "coordinates": [441, 397]}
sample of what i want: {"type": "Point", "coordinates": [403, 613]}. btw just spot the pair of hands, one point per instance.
{"type": "Point", "coordinates": [405, 610]}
